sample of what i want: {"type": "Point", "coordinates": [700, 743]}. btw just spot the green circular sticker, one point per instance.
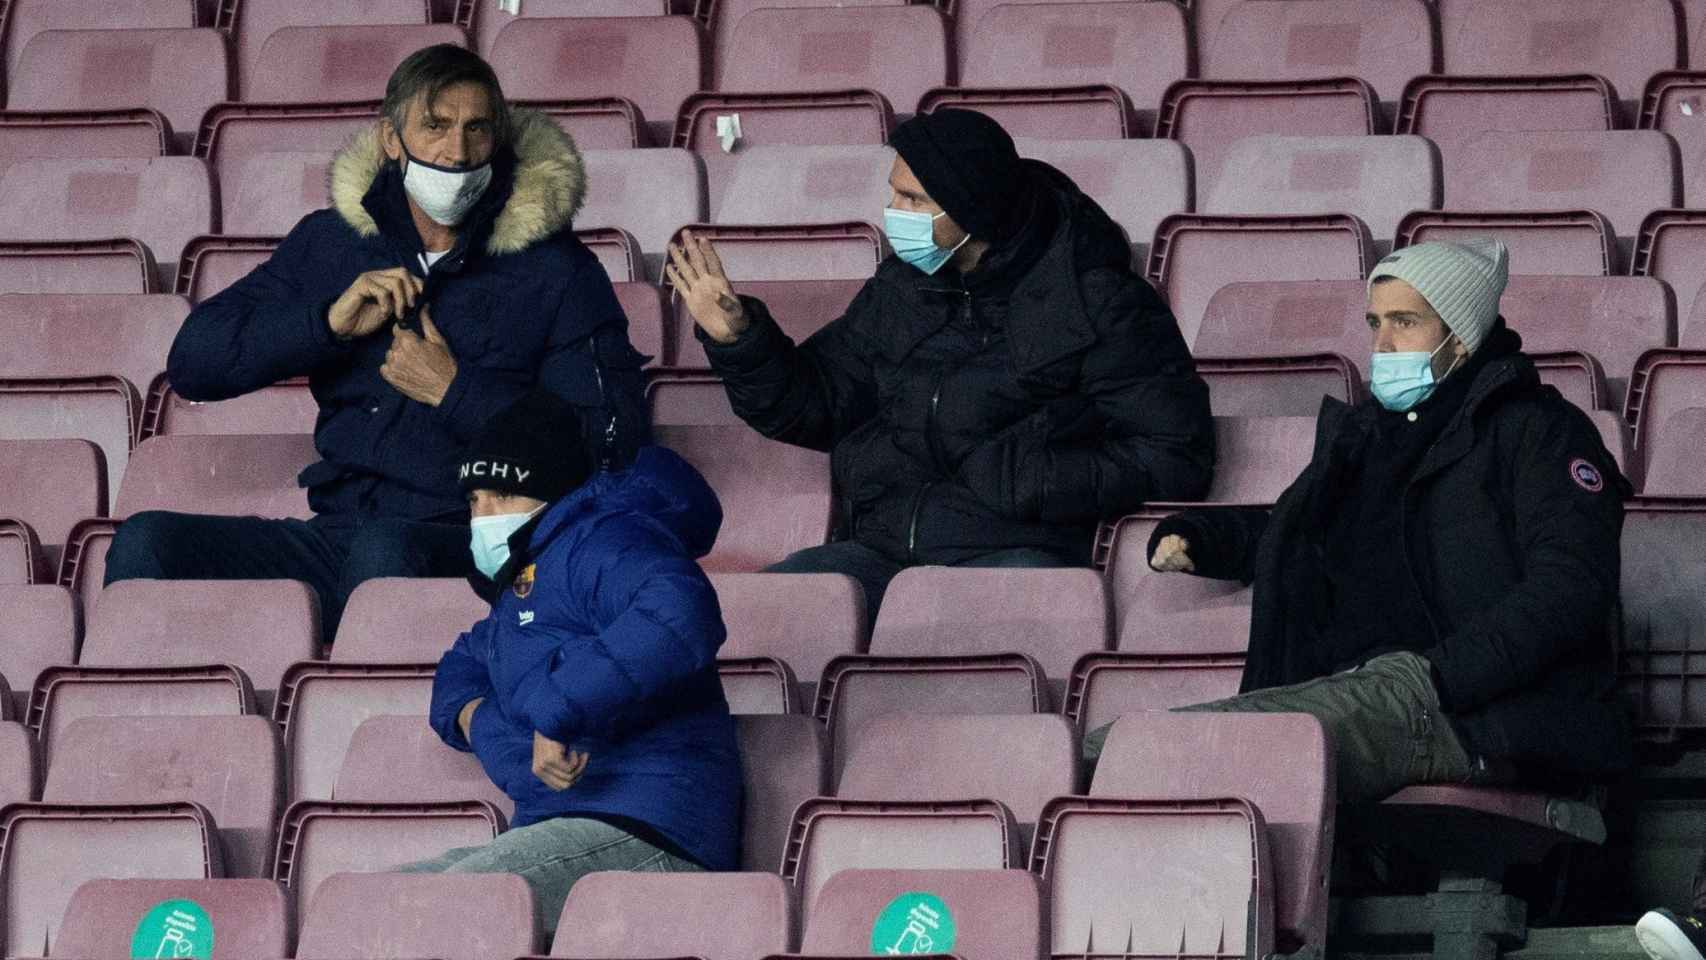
{"type": "Point", "coordinates": [174, 928]}
{"type": "Point", "coordinates": [913, 923]}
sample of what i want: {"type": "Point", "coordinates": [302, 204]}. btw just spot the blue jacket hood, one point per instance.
{"type": "Point", "coordinates": [660, 485]}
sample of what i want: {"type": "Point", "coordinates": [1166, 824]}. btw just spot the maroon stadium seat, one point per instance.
{"type": "Point", "coordinates": [1137, 182]}
{"type": "Point", "coordinates": [163, 202]}
{"type": "Point", "coordinates": [285, 407]}
{"type": "Point", "coordinates": [1286, 318]}
{"type": "Point", "coordinates": [1383, 42]}
{"type": "Point", "coordinates": [20, 777]}
{"type": "Point", "coordinates": [406, 619]}
{"type": "Point", "coordinates": [210, 264]}
{"type": "Point", "coordinates": [1625, 43]}
{"type": "Point", "coordinates": [654, 62]}
{"type": "Point", "coordinates": [977, 914]}
{"type": "Point", "coordinates": [1135, 878]}
{"type": "Point", "coordinates": [1257, 458]}
{"type": "Point", "coordinates": [398, 915]}
{"type": "Point", "coordinates": [1613, 319]}
{"type": "Point", "coordinates": [794, 252]}
{"type": "Point", "coordinates": [791, 184]}
{"type": "Point", "coordinates": [1667, 405]}
{"type": "Point", "coordinates": [489, 21]}
{"type": "Point", "coordinates": [775, 497]}
{"type": "Point", "coordinates": [648, 193]}
{"type": "Point", "coordinates": [20, 553]}
{"type": "Point", "coordinates": [50, 485]}
{"type": "Point", "coordinates": [1664, 614]}
{"type": "Point", "coordinates": [178, 73]}
{"type": "Point", "coordinates": [802, 619]}
{"type": "Point", "coordinates": [800, 307]}
{"type": "Point", "coordinates": [41, 629]}
{"type": "Point", "coordinates": [322, 63]}
{"type": "Point", "coordinates": [1132, 50]}
{"type": "Point", "coordinates": [968, 640]}
{"type": "Point", "coordinates": [1193, 256]}
{"type": "Point", "coordinates": [644, 306]}
{"type": "Point", "coordinates": [784, 762]}
{"type": "Point", "coordinates": [1209, 116]}
{"type": "Point", "coordinates": [77, 266]}
{"type": "Point", "coordinates": [27, 18]}
{"type": "Point", "coordinates": [1672, 105]}
{"type": "Point", "coordinates": [249, 916]}
{"type": "Point", "coordinates": [240, 475]}
{"type": "Point", "coordinates": [724, 16]}
{"type": "Point", "coordinates": [1452, 111]}
{"type": "Point", "coordinates": [610, 915]}
{"type": "Point", "coordinates": [318, 839]}
{"type": "Point", "coordinates": [229, 765]}
{"type": "Point", "coordinates": [806, 118]}
{"type": "Point", "coordinates": [1204, 755]}
{"type": "Point", "coordinates": [272, 160]}
{"type": "Point", "coordinates": [617, 253]}
{"type": "Point", "coordinates": [138, 134]}
{"type": "Point", "coordinates": [258, 20]}
{"type": "Point", "coordinates": [1277, 386]}
{"type": "Point", "coordinates": [1567, 243]}
{"type": "Point", "coordinates": [1672, 247]}
{"type": "Point", "coordinates": [47, 850]}
{"type": "Point", "coordinates": [1619, 440]}
{"type": "Point", "coordinates": [401, 760]}
{"type": "Point", "coordinates": [898, 51]}
{"type": "Point", "coordinates": [1378, 179]}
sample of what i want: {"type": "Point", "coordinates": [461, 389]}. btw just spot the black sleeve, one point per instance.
{"type": "Point", "coordinates": [1221, 541]}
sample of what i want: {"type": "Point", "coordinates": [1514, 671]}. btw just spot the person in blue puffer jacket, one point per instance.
{"type": "Point", "coordinates": [590, 694]}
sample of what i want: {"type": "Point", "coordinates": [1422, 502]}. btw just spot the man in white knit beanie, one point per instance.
{"type": "Point", "coordinates": [1436, 586]}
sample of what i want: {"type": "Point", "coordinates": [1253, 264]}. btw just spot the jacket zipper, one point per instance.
{"type": "Point", "coordinates": [912, 524]}
{"type": "Point", "coordinates": [932, 434]}
{"type": "Point", "coordinates": [606, 456]}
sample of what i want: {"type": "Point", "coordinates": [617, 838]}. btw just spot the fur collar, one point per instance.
{"type": "Point", "coordinates": [550, 183]}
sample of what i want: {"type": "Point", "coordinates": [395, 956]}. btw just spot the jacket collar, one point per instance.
{"type": "Point", "coordinates": [538, 185]}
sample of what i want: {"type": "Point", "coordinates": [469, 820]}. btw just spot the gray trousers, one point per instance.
{"type": "Point", "coordinates": [1383, 720]}
{"type": "Point", "coordinates": [551, 855]}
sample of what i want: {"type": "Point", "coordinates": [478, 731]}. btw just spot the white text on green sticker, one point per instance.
{"type": "Point", "coordinates": [913, 923]}
{"type": "Point", "coordinates": [173, 929]}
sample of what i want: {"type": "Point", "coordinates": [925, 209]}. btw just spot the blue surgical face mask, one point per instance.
{"type": "Point", "coordinates": [913, 237]}
{"type": "Point", "coordinates": [489, 540]}
{"type": "Point", "coordinates": [1402, 380]}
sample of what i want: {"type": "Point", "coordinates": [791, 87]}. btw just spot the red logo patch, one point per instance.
{"type": "Point", "coordinates": [1586, 475]}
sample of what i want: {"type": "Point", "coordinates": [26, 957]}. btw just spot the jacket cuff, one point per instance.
{"type": "Point", "coordinates": [486, 725]}
{"type": "Point", "coordinates": [1181, 525]}
{"type": "Point", "coordinates": [546, 709]}
{"type": "Point", "coordinates": [751, 347]}
{"type": "Point", "coordinates": [318, 336]}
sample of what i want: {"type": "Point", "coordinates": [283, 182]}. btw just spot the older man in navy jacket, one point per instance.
{"type": "Point", "coordinates": [444, 282]}
{"type": "Point", "coordinates": [590, 694]}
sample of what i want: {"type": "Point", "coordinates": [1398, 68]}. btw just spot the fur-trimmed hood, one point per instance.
{"type": "Point", "coordinates": [550, 182]}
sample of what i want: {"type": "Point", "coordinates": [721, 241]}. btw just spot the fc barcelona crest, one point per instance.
{"type": "Point", "coordinates": [524, 581]}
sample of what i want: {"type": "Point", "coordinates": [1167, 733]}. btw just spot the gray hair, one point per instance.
{"type": "Point", "coordinates": [428, 71]}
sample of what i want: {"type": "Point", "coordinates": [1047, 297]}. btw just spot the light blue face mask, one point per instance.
{"type": "Point", "coordinates": [489, 540]}
{"type": "Point", "coordinates": [913, 237]}
{"type": "Point", "coordinates": [1402, 380]}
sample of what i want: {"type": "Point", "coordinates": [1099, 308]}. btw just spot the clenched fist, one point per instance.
{"type": "Point", "coordinates": [554, 764]}
{"type": "Point", "coordinates": [373, 300]}
{"type": "Point", "coordinates": [1172, 555]}
{"type": "Point", "coordinates": [697, 274]}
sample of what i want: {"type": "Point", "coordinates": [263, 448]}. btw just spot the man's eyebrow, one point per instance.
{"type": "Point", "coordinates": [1396, 313]}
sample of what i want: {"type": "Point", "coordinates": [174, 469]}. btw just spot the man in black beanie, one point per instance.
{"type": "Point", "coordinates": [590, 694]}
{"type": "Point", "coordinates": [1004, 382]}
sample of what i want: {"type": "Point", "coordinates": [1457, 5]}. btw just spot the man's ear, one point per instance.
{"type": "Point", "coordinates": [389, 139]}
{"type": "Point", "coordinates": [1461, 349]}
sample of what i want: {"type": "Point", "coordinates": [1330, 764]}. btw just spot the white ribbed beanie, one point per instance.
{"type": "Point", "coordinates": [1461, 280]}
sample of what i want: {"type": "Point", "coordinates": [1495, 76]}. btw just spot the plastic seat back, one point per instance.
{"type": "Point", "coordinates": [899, 51]}
{"type": "Point", "coordinates": [604, 916]}
{"type": "Point", "coordinates": [648, 193]}
{"type": "Point", "coordinates": [41, 629]}
{"type": "Point", "coordinates": [801, 619]}
{"type": "Point", "coordinates": [406, 619]}
{"type": "Point", "coordinates": [726, 15]}
{"type": "Point", "coordinates": [418, 915]}
{"type": "Point", "coordinates": [1138, 182]}
{"type": "Point", "coordinates": [784, 762]}
{"type": "Point", "coordinates": [1664, 618]}
{"type": "Point", "coordinates": [490, 20]}
{"type": "Point", "coordinates": [50, 485]}
{"type": "Point", "coordinates": [1287, 317]}
{"type": "Point", "coordinates": [401, 760]}
{"type": "Point", "coordinates": [27, 18]}
{"type": "Point", "coordinates": [1257, 458]}
{"type": "Point", "coordinates": [1378, 179]}
{"type": "Point", "coordinates": [1613, 319]}
{"type": "Point", "coordinates": [20, 769]}
{"type": "Point", "coordinates": [305, 64]}
{"type": "Point", "coordinates": [800, 307]}
{"type": "Point", "coordinates": [1452, 111]}
{"type": "Point", "coordinates": [1565, 243]}
{"type": "Point", "coordinates": [790, 184]}
{"type": "Point", "coordinates": [1672, 247]}
{"type": "Point", "coordinates": [1382, 42]}
{"type": "Point", "coordinates": [242, 475]}
{"type": "Point", "coordinates": [258, 20]}
{"type": "Point", "coordinates": [248, 917]}
{"type": "Point", "coordinates": [971, 913]}
{"type": "Point", "coordinates": [1669, 106]}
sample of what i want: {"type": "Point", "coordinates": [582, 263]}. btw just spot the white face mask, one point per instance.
{"type": "Point", "coordinates": [445, 194]}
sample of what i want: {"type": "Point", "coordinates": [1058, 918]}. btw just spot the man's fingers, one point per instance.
{"type": "Point", "coordinates": [713, 263]}
{"type": "Point", "coordinates": [695, 253]}
{"type": "Point", "coordinates": [674, 278]}
{"type": "Point", "coordinates": [430, 329]}
{"type": "Point", "coordinates": [683, 267]}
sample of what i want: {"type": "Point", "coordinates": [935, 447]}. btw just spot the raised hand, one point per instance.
{"type": "Point", "coordinates": [1172, 555]}
{"type": "Point", "coordinates": [419, 367]}
{"type": "Point", "coordinates": [696, 272]}
{"type": "Point", "coordinates": [373, 300]}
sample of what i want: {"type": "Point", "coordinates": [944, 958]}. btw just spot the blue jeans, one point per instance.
{"type": "Point", "coordinates": [332, 554]}
{"type": "Point", "coordinates": [551, 855]}
{"type": "Point", "coordinates": [874, 571]}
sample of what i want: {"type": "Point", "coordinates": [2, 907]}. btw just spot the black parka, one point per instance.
{"type": "Point", "coordinates": [1014, 406]}
{"type": "Point", "coordinates": [1510, 531]}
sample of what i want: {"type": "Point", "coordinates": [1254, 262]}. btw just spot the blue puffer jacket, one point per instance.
{"type": "Point", "coordinates": [521, 302]}
{"type": "Point", "coordinates": [605, 638]}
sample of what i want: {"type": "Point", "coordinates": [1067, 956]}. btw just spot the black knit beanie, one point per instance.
{"type": "Point", "coordinates": [532, 448]}
{"type": "Point", "coordinates": [969, 166]}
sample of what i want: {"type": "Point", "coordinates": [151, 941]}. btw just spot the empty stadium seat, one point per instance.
{"type": "Point", "coordinates": [318, 839]}
{"type": "Point", "coordinates": [1613, 319]}
{"type": "Point", "coordinates": [617, 253]}
{"type": "Point", "coordinates": [1128, 877]}
{"type": "Point", "coordinates": [1672, 247]}
{"type": "Point", "coordinates": [306, 64]}
{"type": "Point", "coordinates": [1277, 386]}
{"type": "Point", "coordinates": [489, 20]}
{"type": "Point", "coordinates": [178, 73]}
{"type": "Point", "coordinates": [1382, 42]}
{"type": "Point", "coordinates": [975, 914]}
{"type": "Point", "coordinates": [899, 51]}
{"type": "Point", "coordinates": [401, 760]}
{"type": "Point", "coordinates": [402, 915]}
{"type": "Point", "coordinates": [1626, 42]}
{"type": "Point", "coordinates": [40, 629]}
{"type": "Point", "coordinates": [73, 365]}
{"type": "Point", "coordinates": [1257, 458]}
{"type": "Point", "coordinates": [249, 918]}
{"type": "Point", "coordinates": [643, 304]}
{"type": "Point", "coordinates": [830, 836]}
{"type": "Point", "coordinates": [20, 553]}
{"type": "Point", "coordinates": [1287, 318]}
{"type": "Point", "coordinates": [163, 202]}
{"type": "Point", "coordinates": [800, 307]}
{"type": "Point", "coordinates": [801, 619]}
{"type": "Point", "coordinates": [139, 134]}
{"type": "Point", "coordinates": [231, 766]}
{"type": "Point", "coordinates": [283, 408]}
{"type": "Point", "coordinates": [240, 475]}
{"type": "Point", "coordinates": [967, 640]}
{"type": "Point", "coordinates": [1193, 256]}
{"type": "Point", "coordinates": [1451, 111]}
{"type": "Point", "coordinates": [82, 566]}
{"type": "Point", "coordinates": [811, 257]}
{"type": "Point", "coordinates": [212, 263]}
{"type": "Point", "coordinates": [50, 485]}
{"type": "Point", "coordinates": [1667, 405]}
{"type": "Point", "coordinates": [654, 62]}
{"type": "Point", "coordinates": [1131, 51]}
{"type": "Point", "coordinates": [648, 193]}
{"type": "Point", "coordinates": [784, 761]}
{"type": "Point", "coordinates": [775, 496]}
{"type": "Point", "coordinates": [1664, 613]}
{"type": "Point", "coordinates": [271, 160]}
{"type": "Point", "coordinates": [1210, 116]}
{"type": "Point", "coordinates": [1037, 761]}
{"type": "Point", "coordinates": [267, 193]}
{"type": "Point", "coordinates": [20, 776]}
{"type": "Point", "coordinates": [788, 184]}
{"type": "Point", "coordinates": [1137, 182]}
{"type": "Point", "coordinates": [1205, 755]}
{"type": "Point", "coordinates": [48, 850]}
{"type": "Point", "coordinates": [1673, 105]}
{"type": "Point", "coordinates": [1567, 243]}
{"type": "Point", "coordinates": [1378, 179]}
{"type": "Point", "coordinates": [712, 123]}
{"type": "Point", "coordinates": [27, 18]}
{"type": "Point", "coordinates": [258, 20]}
{"type": "Point", "coordinates": [608, 915]}
{"type": "Point", "coordinates": [77, 266]}
{"type": "Point", "coordinates": [389, 641]}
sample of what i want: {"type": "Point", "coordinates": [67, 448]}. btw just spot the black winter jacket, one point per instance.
{"type": "Point", "coordinates": [1014, 406]}
{"type": "Point", "coordinates": [520, 301]}
{"type": "Point", "coordinates": [1510, 530]}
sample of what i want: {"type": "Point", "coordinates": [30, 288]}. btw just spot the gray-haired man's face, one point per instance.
{"type": "Point", "coordinates": [457, 130]}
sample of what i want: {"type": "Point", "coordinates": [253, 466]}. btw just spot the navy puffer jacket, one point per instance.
{"type": "Point", "coordinates": [605, 638]}
{"type": "Point", "coordinates": [521, 302]}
